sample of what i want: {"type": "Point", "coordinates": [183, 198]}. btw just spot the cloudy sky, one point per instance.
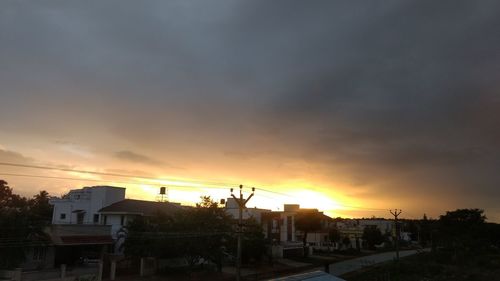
{"type": "Point", "coordinates": [353, 107]}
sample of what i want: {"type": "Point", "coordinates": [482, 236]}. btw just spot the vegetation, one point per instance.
{"type": "Point", "coordinates": [307, 221]}
{"type": "Point", "coordinates": [434, 267]}
{"type": "Point", "coordinates": [253, 244]}
{"type": "Point", "coordinates": [465, 247]}
{"type": "Point", "coordinates": [334, 235]}
{"type": "Point", "coordinates": [372, 236]}
{"type": "Point", "coordinates": [201, 234]}
{"type": "Point", "coordinates": [22, 221]}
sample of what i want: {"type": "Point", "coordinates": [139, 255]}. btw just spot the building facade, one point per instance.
{"type": "Point", "coordinates": [280, 228]}
{"type": "Point", "coordinates": [232, 208]}
{"type": "Point", "coordinates": [119, 214]}
{"type": "Point", "coordinates": [81, 206]}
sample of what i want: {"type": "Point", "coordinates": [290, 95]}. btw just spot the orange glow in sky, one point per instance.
{"type": "Point", "coordinates": [201, 98]}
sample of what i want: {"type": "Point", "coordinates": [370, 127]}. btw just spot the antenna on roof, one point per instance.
{"type": "Point", "coordinates": [163, 194]}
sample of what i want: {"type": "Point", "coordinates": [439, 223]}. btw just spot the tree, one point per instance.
{"type": "Point", "coordinates": [413, 228]}
{"type": "Point", "coordinates": [22, 222]}
{"type": "Point", "coordinates": [464, 217]}
{"type": "Point", "coordinates": [307, 221]}
{"type": "Point", "coordinates": [334, 235]}
{"type": "Point", "coordinates": [8, 199]}
{"type": "Point", "coordinates": [425, 231]}
{"type": "Point", "coordinates": [210, 226]}
{"type": "Point", "coordinates": [347, 242]}
{"type": "Point", "coordinates": [254, 244]}
{"type": "Point", "coordinates": [148, 237]}
{"type": "Point", "coordinates": [464, 232]}
{"type": "Point", "coordinates": [196, 234]}
{"type": "Point", "coordinates": [372, 236]}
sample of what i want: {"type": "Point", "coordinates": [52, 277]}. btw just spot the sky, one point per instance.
{"type": "Point", "coordinates": [352, 107]}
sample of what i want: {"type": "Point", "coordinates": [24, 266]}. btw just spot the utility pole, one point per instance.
{"type": "Point", "coordinates": [242, 205]}
{"type": "Point", "coordinates": [396, 213]}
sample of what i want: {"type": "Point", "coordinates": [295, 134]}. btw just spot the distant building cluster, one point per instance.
{"type": "Point", "coordinates": [91, 221]}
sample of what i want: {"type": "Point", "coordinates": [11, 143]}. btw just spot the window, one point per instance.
{"type": "Point", "coordinates": [39, 253]}
{"type": "Point", "coordinates": [62, 216]}
{"type": "Point", "coordinates": [105, 220]}
{"type": "Point", "coordinates": [79, 217]}
{"type": "Point", "coordinates": [122, 220]}
{"type": "Point", "coordinates": [289, 221]}
{"type": "Point", "coordinates": [96, 218]}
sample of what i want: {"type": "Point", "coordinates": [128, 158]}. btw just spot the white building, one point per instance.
{"type": "Point", "coordinates": [81, 206]}
{"type": "Point", "coordinates": [76, 232]}
{"type": "Point", "coordinates": [385, 226]}
{"type": "Point", "coordinates": [233, 210]}
{"type": "Point", "coordinates": [118, 214]}
{"type": "Point", "coordinates": [103, 209]}
{"type": "Point", "coordinates": [280, 228]}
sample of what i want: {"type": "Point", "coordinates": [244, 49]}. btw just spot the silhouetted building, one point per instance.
{"type": "Point", "coordinates": [119, 214]}
{"type": "Point", "coordinates": [279, 227]}
{"type": "Point", "coordinates": [233, 209]}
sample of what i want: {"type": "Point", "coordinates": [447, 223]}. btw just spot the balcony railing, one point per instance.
{"type": "Point", "coordinates": [66, 222]}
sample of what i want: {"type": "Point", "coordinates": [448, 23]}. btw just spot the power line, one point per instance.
{"type": "Point", "coordinates": [179, 187]}
{"type": "Point", "coordinates": [103, 181]}
{"type": "Point", "coordinates": [209, 184]}
{"type": "Point", "coordinates": [123, 182]}
{"type": "Point", "coordinates": [205, 183]}
{"type": "Point", "coordinates": [112, 174]}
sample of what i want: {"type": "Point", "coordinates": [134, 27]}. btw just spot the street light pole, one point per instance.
{"type": "Point", "coordinates": [241, 205]}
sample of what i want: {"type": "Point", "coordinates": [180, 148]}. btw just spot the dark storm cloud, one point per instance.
{"type": "Point", "coordinates": [406, 90]}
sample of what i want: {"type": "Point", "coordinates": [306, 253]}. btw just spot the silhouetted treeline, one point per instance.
{"type": "Point", "coordinates": [21, 223]}
{"type": "Point", "coordinates": [458, 234]}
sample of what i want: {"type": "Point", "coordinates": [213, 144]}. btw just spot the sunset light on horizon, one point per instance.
{"type": "Point", "coordinates": [351, 108]}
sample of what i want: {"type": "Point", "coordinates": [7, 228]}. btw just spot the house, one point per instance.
{"type": "Point", "coordinates": [86, 225]}
{"type": "Point", "coordinates": [118, 214]}
{"type": "Point", "coordinates": [81, 206]}
{"type": "Point", "coordinates": [279, 227]}
{"type": "Point", "coordinates": [233, 210]}
{"type": "Point", "coordinates": [385, 226]}
{"type": "Point", "coordinates": [350, 231]}
{"type": "Point", "coordinates": [319, 238]}
{"type": "Point", "coordinates": [75, 233]}
{"type": "Point", "coordinates": [353, 229]}
{"type": "Point", "coordinates": [68, 244]}
{"type": "Point", "coordinates": [75, 243]}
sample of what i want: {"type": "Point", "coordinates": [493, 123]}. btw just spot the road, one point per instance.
{"type": "Point", "coordinates": [343, 267]}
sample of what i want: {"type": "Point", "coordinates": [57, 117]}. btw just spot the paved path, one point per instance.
{"type": "Point", "coordinates": [347, 266]}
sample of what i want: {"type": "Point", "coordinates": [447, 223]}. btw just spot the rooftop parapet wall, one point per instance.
{"type": "Point", "coordinates": [79, 229]}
